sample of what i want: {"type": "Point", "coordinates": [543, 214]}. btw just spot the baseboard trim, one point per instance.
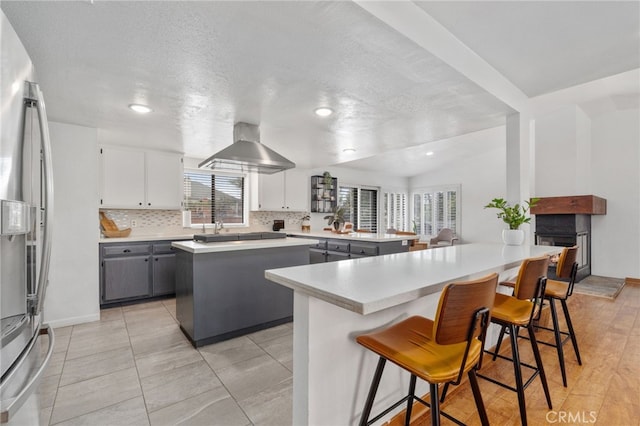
{"type": "Point", "coordinates": [632, 281]}
{"type": "Point", "coordinates": [65, 322]}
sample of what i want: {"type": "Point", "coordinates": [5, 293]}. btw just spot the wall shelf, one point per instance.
{"type": "Point", "coordinates": [324, 199]}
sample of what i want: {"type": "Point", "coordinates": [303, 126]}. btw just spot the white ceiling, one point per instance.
{"type": "Point", "coordinates": [202, 66]}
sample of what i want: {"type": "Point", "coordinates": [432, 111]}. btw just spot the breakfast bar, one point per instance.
{"type": "Point", "coordinates": [335, 302]}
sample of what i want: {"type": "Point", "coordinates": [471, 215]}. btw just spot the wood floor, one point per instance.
{"type": "Point", "coordinates": [605, 390]}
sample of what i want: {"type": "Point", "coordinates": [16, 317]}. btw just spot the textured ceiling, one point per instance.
{"type": "Point", "coordinates": [202, 66]}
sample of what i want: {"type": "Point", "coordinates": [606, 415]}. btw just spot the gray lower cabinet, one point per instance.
{"type": "Point", "coordinates": [126, 278]}
{"type": "Point", "coordinates": [133, 271]}
{"type": "Point", "coordinates": [164, 274]}
{"type": "Point", "coordinates": [331, 250]}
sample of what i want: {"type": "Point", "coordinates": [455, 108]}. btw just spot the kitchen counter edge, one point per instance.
{"type": "Point", "coordinates": [197, 247]}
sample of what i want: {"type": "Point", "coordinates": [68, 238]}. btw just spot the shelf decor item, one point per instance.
{"type": "Point", "coordinates": [514, 216]}
{"type": "Point", "coordinates": [328, 182]}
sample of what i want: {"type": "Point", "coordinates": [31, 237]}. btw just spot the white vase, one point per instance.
{"type": "Point", "coordinates": [513, 237]}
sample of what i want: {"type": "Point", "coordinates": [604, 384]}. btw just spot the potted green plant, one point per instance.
{"type": "Point", "coordinates": [514, 216]}
{"type": "Point", "coordinates": [336, 218]}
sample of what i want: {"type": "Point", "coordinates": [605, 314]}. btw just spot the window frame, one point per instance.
{"type": "Point", "coordinates": [359, 188]}
{"type": "Point", "coordinates": [245, 201]}
{"type": "Point", "coordinates": [433, 190]}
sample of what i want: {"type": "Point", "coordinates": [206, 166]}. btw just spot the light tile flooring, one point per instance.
{"type": "Point", "coordinates": [135, 367]}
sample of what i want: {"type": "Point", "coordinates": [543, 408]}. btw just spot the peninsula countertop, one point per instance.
{"type": "Point", "coordinates": [197, 247]}
{"type": "Point", "coordinates": [372, 284]}
{"type": "Point", "coordinates": [354, 236]}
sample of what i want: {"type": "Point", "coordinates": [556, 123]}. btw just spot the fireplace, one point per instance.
{"type": "Point", "coordinates": [567, 230]}
{"type": "Point", "coordinates": [565, 222]}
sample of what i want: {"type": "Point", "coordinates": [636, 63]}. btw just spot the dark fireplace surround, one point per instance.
{"type": "Point", "coordinates": [565, 222]}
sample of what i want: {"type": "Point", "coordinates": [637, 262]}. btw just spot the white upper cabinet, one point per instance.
{"type": "Point", "coordinates": [165, 174]}
{"type": "Point", "coordinates": [131, 179]}
{"type": "Point", "coordinates": [284, 191]}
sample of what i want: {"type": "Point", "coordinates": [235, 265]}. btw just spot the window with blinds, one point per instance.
{"type": "Point", "coordinates": [435, 209]}
{"type": "Point", "coordinates": [361, 206]}
{"type": "Point", "coordinates": [212, 198]}
{"type": "Point", "coordinates": [395, 216]}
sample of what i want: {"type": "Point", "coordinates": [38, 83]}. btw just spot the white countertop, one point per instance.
{"type": "Point", "coordinates": [354, 236]}
{"type": "Point", "coordinates": [148, 237]}
{"type": "Point", "coordinates": [375, 283]}
{"type": "Point", "coordinates": [197, 247]}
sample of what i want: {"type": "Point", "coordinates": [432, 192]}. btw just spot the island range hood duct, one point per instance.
{"type": "Point", "coordinates": [247, 154]}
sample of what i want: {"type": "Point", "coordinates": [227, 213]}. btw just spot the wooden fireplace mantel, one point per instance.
{"type": "Point", "coordinates": [573, 204]}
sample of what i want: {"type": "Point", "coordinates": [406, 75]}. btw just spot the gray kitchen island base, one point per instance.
{"type": "Point", "coordinates": [224, 294]}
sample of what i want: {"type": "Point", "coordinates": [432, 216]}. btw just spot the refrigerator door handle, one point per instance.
{"type": "Point", "coordinates": [11, 406]}
{"type": "Point", "coordinates": [43, 278]}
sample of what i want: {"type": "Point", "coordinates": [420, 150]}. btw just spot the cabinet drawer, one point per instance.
{"type": "Point", "coordinates": [364, 249]}
{"type": "Point", "coordinates": [321, 245]}
{"type": "Point", "coordinates": [163, 248]}
{"type": "Point", "coordinates": [340, 246]}
{"type": "Point", "coordinates": [126, 250]}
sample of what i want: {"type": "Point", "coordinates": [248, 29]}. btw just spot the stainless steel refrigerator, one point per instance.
{"type": "Point", "coordinates": [26, 210]}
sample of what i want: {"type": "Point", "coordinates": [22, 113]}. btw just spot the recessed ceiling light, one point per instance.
{"type": "Point", "coordinates": [430, 153]}
{"type": "Point", "coordinates": [349, 150]}
{"type": "Point", "coordinates": [142, 109]}
{"type": "Point", "coordinates": [323, 111]}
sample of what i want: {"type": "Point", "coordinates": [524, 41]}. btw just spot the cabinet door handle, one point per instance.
{"type": "Point", "coordinates": [126, 251]}
{"type": "Point", "coordinates": [146, 260]}
{"type": "Point", "coordinates": [361, 251]}
{"type": "Point", "coordinates": [148, 204]}
{"type": "Point", "coordinates": [156, 259]}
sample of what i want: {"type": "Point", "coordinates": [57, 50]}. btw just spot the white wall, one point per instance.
{"type": "Point", "coordinates": [562, 148]}
{"type": "Point", "coordinates": [482, 177]}
{"type": "Point", "coordinates": [615, 171]}
{"type": "Point", "coordinates": [73, 295]}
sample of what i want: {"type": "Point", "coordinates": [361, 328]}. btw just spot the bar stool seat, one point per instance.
{"type": "Point", "coordinates": [437, 351]}
{"type": "Point", "coordinates": [512, 310]}
{"type": "Point", "coordinates": [410, 345]}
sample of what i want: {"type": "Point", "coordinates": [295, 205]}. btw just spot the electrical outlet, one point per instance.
{"type": "Point", "coordinates": [134, 223]}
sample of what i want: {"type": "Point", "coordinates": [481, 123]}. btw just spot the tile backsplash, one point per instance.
{"type": "Point", "coordinates": [170, 221]}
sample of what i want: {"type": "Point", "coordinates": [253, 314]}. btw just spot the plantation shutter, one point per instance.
{"type": "Point", "coordinates": [368, 210]}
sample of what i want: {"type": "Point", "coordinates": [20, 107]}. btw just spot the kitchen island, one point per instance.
{"type": "Point", "coordinates": [335, 302]}
{"type": "Point", "coordinates": [221, 291]}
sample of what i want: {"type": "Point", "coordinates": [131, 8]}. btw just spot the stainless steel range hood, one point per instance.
{"type": "Point", "coordinates": [247, 154]}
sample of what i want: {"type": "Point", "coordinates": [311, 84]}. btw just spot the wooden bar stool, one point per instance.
{"type": "Point", "coordinates": [519, 310]}
{"type": "Point", "coordinates": [437, 351]}
{"type": "Point", "coordinates": [559, 290]}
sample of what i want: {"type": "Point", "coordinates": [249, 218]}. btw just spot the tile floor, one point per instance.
{"type": "Point", "coordinates": [135, 367]}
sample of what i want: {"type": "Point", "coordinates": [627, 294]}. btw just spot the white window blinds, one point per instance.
{"type": "Point", "coordinates": [212, 198]}
{"type": "Point", "coordinates": [435, 209]}
{"type": "Point", "coordinates": [396, 211]}
{"type": "Point", "coordinates": [361, 206]}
